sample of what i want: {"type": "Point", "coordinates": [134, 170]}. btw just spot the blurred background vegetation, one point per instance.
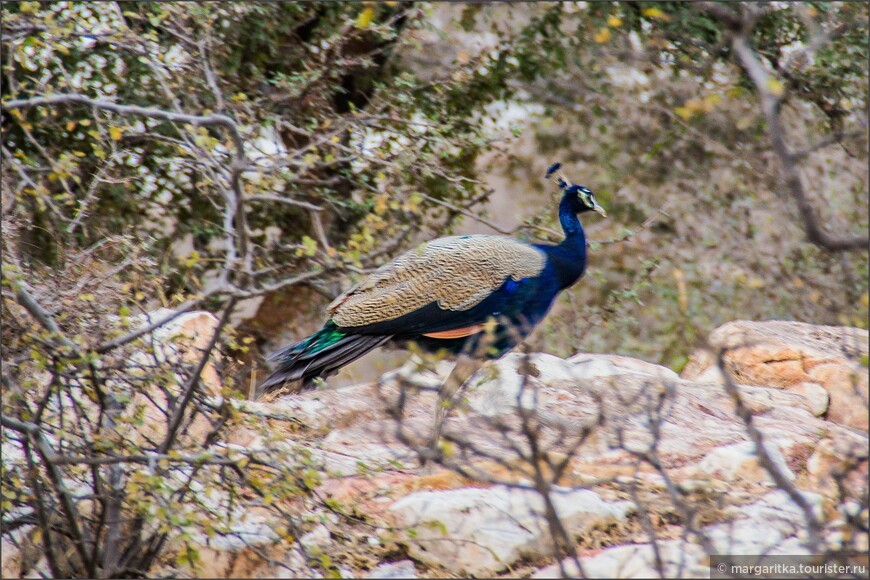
{"type": "Point", "coordinates": [367, 126]}
{"type": "Point", "coordinates": [254, 159]}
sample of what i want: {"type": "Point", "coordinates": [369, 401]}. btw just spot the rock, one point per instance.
{"type": "Point", "coordinates": [597, 417]}
{"type": "Point", "coordinates": [497, 386]}
{"type": "Point", "coordinates": [738, 461]}
{"type": "Point", "coordinates": [623, 364]}
{"type": "Point", "coordinates": [771, 525]}
{"type": "Point", "coordinates": [788, 354]}
{"type": "Point", "coordinates": [679, 560]}
{"type": "Point", "coordinates": [480, 531]}
{"type": "Point", "coordinates": [181, 341]}
{"type": "Point", "coordinates": [762, 399]}
{"type": "Point", "coordinates": [479, 523]}
{"type": "Point", "coordinates": [815, 396]}
{"type": "Point", "coordinates": [836, 462]}
{"type": "Point", "coordinates": [317, 539]}
{"type": "Point", "coordinates": [847, 386]}
{"type": "Point", "coordinates": [400, 569]}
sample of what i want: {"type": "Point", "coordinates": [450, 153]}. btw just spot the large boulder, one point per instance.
{"type": "Point", "coordinates": [482, 531]}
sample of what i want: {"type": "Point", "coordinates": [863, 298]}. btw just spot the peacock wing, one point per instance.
{"type": "Point", "coordinates": [456, 273]}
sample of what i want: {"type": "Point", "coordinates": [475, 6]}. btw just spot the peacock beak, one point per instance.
{"type": "Point", "coordinates": [600, 210]}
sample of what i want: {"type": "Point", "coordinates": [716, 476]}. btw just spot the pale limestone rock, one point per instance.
{"type": "Point", "coordinates": [762, 399]}
{"type": "Point", "coordinates": [702, 445]}
{"type": "Point", "coordinates": [772, 525]}
{"type": "Point", "coordinates": [498, 386]}
{"type": "Point", "coordinates": [400, 569]}
{"type": "Point", "coordinates": [840, 458]}
{"type": "Point", "coordinates": [738, 461]}
{"type": "Point", "coordinates": [481, 531]}
{"type": "Point", "coordinates": [317, 539]}
{"type": "Point", "coordinates": [624, 364]}
{"type": "Point", "coordinates": [847, 386]}
{"type": "Point", "coordinates": [679, 560]}
{"type": "Point", "coordinates": [697, 420]}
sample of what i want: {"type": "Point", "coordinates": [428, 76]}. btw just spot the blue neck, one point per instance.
{"type": "Point", "coordinates": [570, 222]}
{"type": "Point", "coordinates": [569, 257]}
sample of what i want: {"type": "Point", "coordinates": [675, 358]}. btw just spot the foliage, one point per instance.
{"type": "Point", "coordinates": [186, 156]}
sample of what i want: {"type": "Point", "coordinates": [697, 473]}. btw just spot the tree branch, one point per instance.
{"type": "Point", "coordinates": [770, 105]}
{"type": "Point", "coordinates": [764, 458]}
{"type": "Point", "coordinates": [26, 299]}
{"type": "Point", "coordinates": [287, 200]}
{"type": "Point", "coordinates": [152, 112]}
{"type": "Point", "coordinates": [193, 381]}
{"type": "Point", "coordinates": [142, 330]}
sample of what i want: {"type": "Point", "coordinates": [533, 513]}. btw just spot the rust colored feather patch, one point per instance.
{"type": "Point", "coordinates": [457, 332]}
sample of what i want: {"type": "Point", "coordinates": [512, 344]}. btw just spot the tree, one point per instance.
{"type": "Point", "coordinates": [186, 156]}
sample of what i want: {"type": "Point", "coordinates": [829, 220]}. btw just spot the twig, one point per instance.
{"type": "Point", "coordinates": [134, 334]}
{"type": "Point", "coordinates": [92, 189]}
{"type": "Point", "coordinates": [467, 213]}
{"type": "Point", "coordinates": [26, 299]}
{"type": "Point", "coordinates": [209, 75]}
{"type": "Point", "coordinates": [833, 139]}
{"type": "Point", "coordinates": [193, 381]}
{"type": "Point", "coordinates": [319, 230]}
{"type": "Point", "coordinates": [764, 458]}
{"type": "Point", "coordinates": [287, 200]}
{"type": "Point", "coordinates": [631, 233]}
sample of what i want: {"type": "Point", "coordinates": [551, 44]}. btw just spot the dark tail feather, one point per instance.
{"type": "Point", "coordinates": [306, 360]}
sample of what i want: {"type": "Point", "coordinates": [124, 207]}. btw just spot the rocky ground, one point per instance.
{"type": "Point", "coordinates": [633, 470]}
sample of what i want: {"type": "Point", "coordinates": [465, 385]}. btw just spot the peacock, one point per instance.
{"type": "Point", "coordinates": [480, 294]}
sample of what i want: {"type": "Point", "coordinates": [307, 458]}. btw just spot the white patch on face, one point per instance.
{"type": "Point", "coordinates": [586, 197]}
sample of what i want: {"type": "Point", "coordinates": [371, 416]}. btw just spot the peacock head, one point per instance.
{"type": "Point", "coordinates": [582, 199]}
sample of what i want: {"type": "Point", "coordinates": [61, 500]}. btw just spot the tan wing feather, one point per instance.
{"type": "Point", "coordinates": [458, 272]}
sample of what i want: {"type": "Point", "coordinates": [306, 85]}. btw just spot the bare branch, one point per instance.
{"type": "Point", "coordinates": [193, 381]}
{"type": "Point", "coordinates": [834, 139]}
{"type": "Point", "coordinates": [25, 427]}
{"type": "Point", "coordinates": [287, 200]}
{"type": "Point", "coordinates": [209, 74]}
{"type": "Point", "coordinates": [178, 311]}
{"type": "Point", "coordinates": [467, 213]}
{"type": "Point", "coordinates": [92, 189]}
{"type": "Point", "coordinates": [151, 112]}
{"type": "Point", "coordinates": [26, 299]}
